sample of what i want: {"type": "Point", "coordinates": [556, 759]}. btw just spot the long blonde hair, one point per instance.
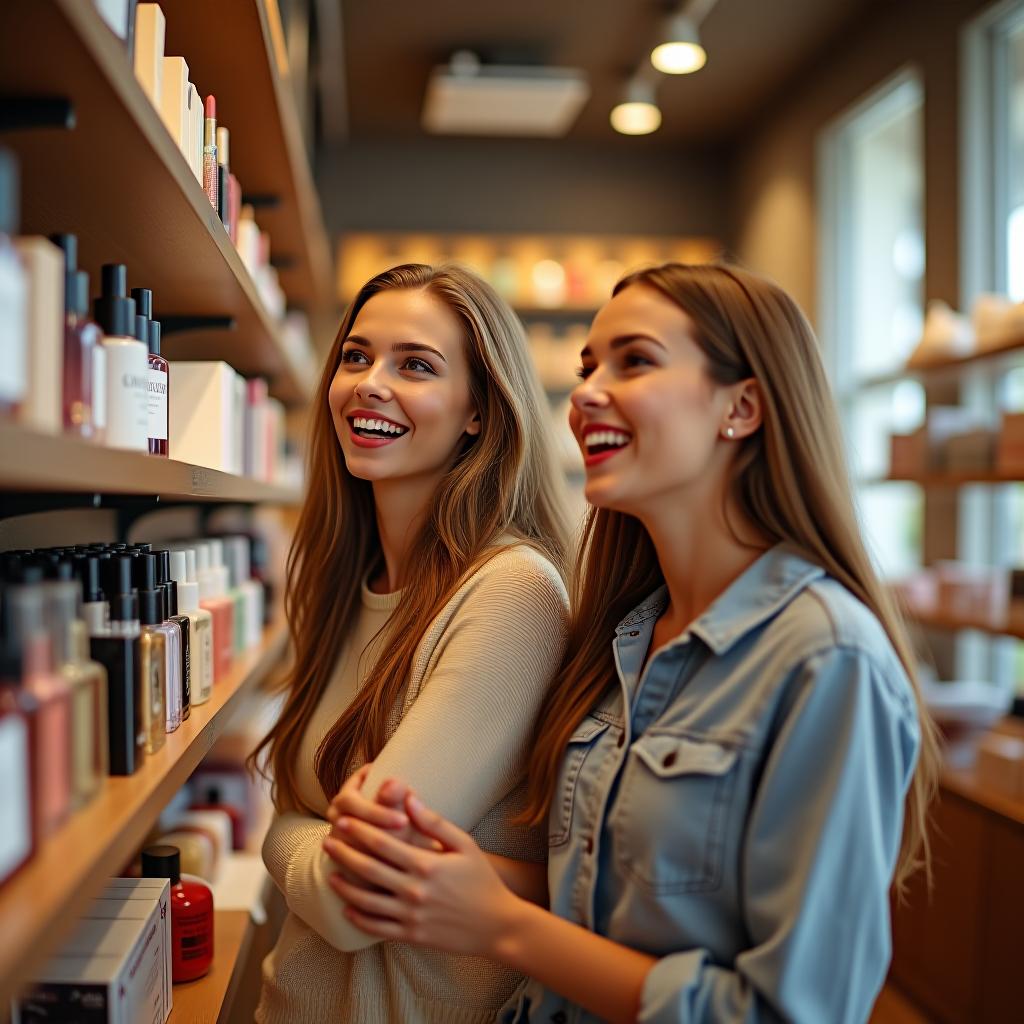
{"type": "Point", "coordinates": [789, 479]}
{"type": "Point", "coordinates": [505, 481]}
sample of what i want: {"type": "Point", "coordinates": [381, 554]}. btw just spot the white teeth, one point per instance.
{"type": "Point", "coordinates": [606, 437]}
{"type": "Point", "coordinates": [364, 423]}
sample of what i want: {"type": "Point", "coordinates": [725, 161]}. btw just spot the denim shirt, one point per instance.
{"type": "Point", "coordinates": [735, 809]}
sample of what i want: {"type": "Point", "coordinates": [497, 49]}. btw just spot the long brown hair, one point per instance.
{"type": "Point", "coordinates": [505, 481]}
{"type": "Point", "coordinates": [789, 478]}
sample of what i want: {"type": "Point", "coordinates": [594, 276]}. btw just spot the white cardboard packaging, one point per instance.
{"type": "Point", "coordinates": [207, 415]}
{"type": "Point", "coordinates": [195, 103]}
{"type": "Point", "coordinates": [113, 967]}
{"type": "Point", "coordinates": [44, 309]}
{"type": "Point", "coordinates": [150, 29]}
{"type": "Point", "coordinates": [174, 107]}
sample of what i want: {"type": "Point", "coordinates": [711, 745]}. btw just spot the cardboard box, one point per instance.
{"type": "Point", "coordinates": [174, 107]}
{"type": "Point", "coordinates": [150, 28]}
{"type": "Point", "coordinates": [206, 421]}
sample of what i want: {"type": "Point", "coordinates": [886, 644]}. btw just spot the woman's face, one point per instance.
{"type": "Point", "coordinates": [400, 399]}
{"type": "Point", "coordinates": [647, 416]}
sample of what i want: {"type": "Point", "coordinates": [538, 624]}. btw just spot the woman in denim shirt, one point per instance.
{"type": "Point", "coordinates": [734, 760]}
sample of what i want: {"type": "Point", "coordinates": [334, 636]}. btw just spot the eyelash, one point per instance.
{"type": "Point", "coordinates": [423, 367]}
{"type": "Point", "coordinates": [629, 361]}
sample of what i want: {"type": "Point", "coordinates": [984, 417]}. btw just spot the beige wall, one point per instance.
{"type": "Point", "coordinates": [774, 217]}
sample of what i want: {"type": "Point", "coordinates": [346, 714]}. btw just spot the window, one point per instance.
{"type": "Point", "coordinates": [871, 182]}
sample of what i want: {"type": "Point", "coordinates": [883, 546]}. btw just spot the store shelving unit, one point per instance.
{"type": "Point", "coordinates": [1012, 348]}
{"type": "Point", "coordinates": [40, 906]}
{"type": "Point", "coordinates": [959, 479]}
{"type": "Point", "coordinates": [118, 180]}
{"type": "Point", "coordinates": [935, 620]}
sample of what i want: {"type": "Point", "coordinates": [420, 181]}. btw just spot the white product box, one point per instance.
{"type": "Point", "coordinates": [256, 430]}
{"type": "Point", "coordinates": [142, 903]}
{"type": "Point", "coordinates": [206, 422]}
{"type": "Point", "coordinates": [195, 105]}
{"type": "Point", "coordinates": [150, 28]}
{"type": "Point", "coordinates": [174, 108]}
{"type": "Point", "coordinates": [44, 311]}
{"type": "Point", "coordinates": [112, 968]}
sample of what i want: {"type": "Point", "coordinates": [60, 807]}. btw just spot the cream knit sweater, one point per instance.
{"type": "Point", "coordinates": [478, 679]}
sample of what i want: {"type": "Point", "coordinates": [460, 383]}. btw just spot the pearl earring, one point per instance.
{"type": "Point", "coordinates": [730, 433]}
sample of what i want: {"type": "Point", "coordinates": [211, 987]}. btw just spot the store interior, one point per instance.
{"type": "Point", "coordinates": [191, 193]}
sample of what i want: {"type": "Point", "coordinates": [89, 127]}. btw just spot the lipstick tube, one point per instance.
{"type": "Point", "coordinates": [210, 173]}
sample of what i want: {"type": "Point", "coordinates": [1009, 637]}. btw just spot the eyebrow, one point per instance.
{"type": "Point", "coordinates": [399, 346]}
{"type": "Point", "coordinates": [625, 339]}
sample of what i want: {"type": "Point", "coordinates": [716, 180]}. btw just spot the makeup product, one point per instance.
{"type": "Point", "coordinates": [44, 264]}
{"type": "Point", "coordinates": [211, 801]}
{"type": "Point", "coordinates": [200, 629]}
{"type": "Point", "coordinates": [212, 597]}
{"type": "Point", "coordinates": [154, 622]}
{"type": "Point", "coordinates": [203, 415]}
{"type": "Point", "coordinates": [174, 101]}
{"type": "Point", "coordinates": [191, 913]}
{"type": "Point", "coordinates": [210, 151]}
{"type": "Point", "coordinates": [236, 555]}
{"type": "Point", "coordinates": [234, 207]}
{"type": "Point", "coordinates": [150, 29]}
{"type": "Point", "coordinates": [127, 363]}
{"type": "Point", "coordinates": [223, 173]}
{"type": "Point", "coordinates": [25, 625]}
{"type": "Point", "coordinates": [13, 292]}
{"type": "Point", "coordinates": [81, 339]}
{"type": "Point", "coordinates": [195, 104]}
{"type": "Point", "coordinates": [170, 589]}
{"type": "Point", "coordinates": [95, 607]}
{"type": "Point", "coordinates": [157, 393]}
{"type": "Point", "coordinates": [87, 683]}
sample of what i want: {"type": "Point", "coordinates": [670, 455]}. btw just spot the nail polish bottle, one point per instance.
{"type": "Point", "coordinates": [212, 598]}
{"type": "Point", "coordinates": [18, 742]}
{"type": "Point", "coordinates": [87, 682]}
{"type": "Point", "coordinates": [191, 913]}
{"type": "Point", "coordinates": [13, 295]}
{"type": "Point", "coordinates": [200, 626]}
{"type": "Point", "coordinates": [170, 588]}
{"type": "Point", "coordinates": [81, 338]}
{"type": "Point", "coordinates": [52, 768]}
{"type": "Point", "coordinates": [158, 374]}
{"type": "Point", "coordinates": [127, 363]}
{"type": "Point", "coordinates": [155, 624]}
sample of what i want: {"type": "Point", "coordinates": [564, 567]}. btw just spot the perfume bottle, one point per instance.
{"type": "Point", "coordinates": [154, 622]}
{"type": "Point", "coordinates": [212, 599]}
{"type": "Point", "coordinates": [170, 589]}
{"type": "Point", "coordinates": [158, 374]}
{"type": "Point", "coordinates": [200, 625]}
{"type": "Point", "coordinates": [13, 294]}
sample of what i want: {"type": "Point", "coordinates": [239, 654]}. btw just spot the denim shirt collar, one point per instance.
{"type": "Point", "coordinates": [757, 594]}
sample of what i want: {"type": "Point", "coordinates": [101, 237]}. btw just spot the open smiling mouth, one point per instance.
{"type": "Point", "coordinates": [374, 429]}
{"type": "Point", "coordinates": [603, 444]}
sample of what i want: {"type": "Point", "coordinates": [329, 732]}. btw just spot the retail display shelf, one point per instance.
{"type": "Point", "coordinates": [935, 620]}
{"type": "Point", "coordinates": [31, 461]}
{"type": "Point", "coordinates": [244, 63]}
{"type": "Point", "coordinates": [1009, 349]}
{"type": "Point", "coordinates": [40, 905]}
{"type": "Point", "coordinates": [118, 180]}
{"type": "Point", "coordinates": [964, 781]}
{"type": "Point", "coordinates": [958, 479]}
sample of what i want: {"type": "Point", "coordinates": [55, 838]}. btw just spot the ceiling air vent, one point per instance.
{"type": "Point", "coordinates": [466, 97]}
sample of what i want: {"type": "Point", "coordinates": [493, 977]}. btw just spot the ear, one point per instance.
{"type": "Point", "coordinates": [473, 426]}
{"type": "Point", "coordinates": [745, 411]}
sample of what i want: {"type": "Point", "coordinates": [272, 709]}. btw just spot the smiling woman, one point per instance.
{"type": "Point", "coordinates": [428, 612]}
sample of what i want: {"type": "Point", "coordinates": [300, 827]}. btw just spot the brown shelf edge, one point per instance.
{"type": "Point", "coordinates": [73, 865]}
{"type": "Point", "coordinates": [947, 479]}
{"type": "Point", "coordinates": [1014, 348]}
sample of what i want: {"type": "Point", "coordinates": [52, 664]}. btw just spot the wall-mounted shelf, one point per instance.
{"type": "Point", "coordinates": [120, 183]}
{"type": "Point", "coordinates": [943, 367]}
{"type": "Point", "coordinates": [36, 462]}
{"type": "Point", "coordinates": [936, 620]}
{"type": "Point", "coordinates": [39, 906]}
{"type": "Point", "coordinates": [958, 479]}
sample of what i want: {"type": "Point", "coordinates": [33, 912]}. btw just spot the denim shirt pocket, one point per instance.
{"type": "Point", "coordinates": [581, 742]}
{"type": "Point", "coordinates": [672, 812]}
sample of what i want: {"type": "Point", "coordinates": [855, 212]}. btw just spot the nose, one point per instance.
{"type": "Point", "coordinates": [590, 394]}
{"type": "Point", "coordinates": [374, 384]}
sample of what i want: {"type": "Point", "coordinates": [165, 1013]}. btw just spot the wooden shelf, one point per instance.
{"type": "Point", "coordinates": [236, 55]}
{"type": "Point", "coordinates": [934, 620]}
{"type": "Point", "coordinates": [119, 182]}
{"type": "Point", "coordinates": [980, 476]}
{"type": "Point", "coordinates": [965, 783]}
{"type": "Point", "coordinates": [37, 462]}
{"type": "Point", "coordinates": [39, 907]}
{"type": "Point", "coordinates": [1011, 349]}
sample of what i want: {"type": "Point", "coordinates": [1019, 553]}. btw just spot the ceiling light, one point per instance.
{"type": "Point", "coordinates": [680, 53]}
{"type": "Point", "coordinates": [638, 113]}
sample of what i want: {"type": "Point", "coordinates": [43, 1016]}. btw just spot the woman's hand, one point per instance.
{"type": "Point", "coordinates": [450, 898]}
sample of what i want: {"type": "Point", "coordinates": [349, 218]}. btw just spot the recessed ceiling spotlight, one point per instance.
{"type": "Point", "coordinates": [637, 113]}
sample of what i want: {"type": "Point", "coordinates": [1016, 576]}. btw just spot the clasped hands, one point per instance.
{"type": "Point", "coordinates": [405, 873]}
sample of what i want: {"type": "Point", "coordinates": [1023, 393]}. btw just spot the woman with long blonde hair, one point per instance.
{"type": "Point", "coordinates": [427, 612]}
{"type": "Point", "coordinates": [733, 762]}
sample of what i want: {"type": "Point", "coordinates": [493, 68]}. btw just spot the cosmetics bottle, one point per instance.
{"type": "Point", "coordinates": [211, 801]}
{"type": "Point", "coordinates": [213, 599]}
{"type": "Point", "coordinates": [197, 849]}
{"type": "Point", "coordinates": [223, 175]}
{"type": "Point", "coordinates": [52, 768]}
{"type": "Point", "coordinates": [13, 294]}
{"type": "Point", "coordinates": [18, 742]}
{"type": "Point", "coordinates": [87, 682]}
{"type": "Point", "coordinates": [127, 364]}
{"type": "Point", "coordinates": [154, 623]}
{"type": "Point", "coordinates": [150, 693]}
{"type": "Point", "coordinates": [81, 339]}
{"type": "Point", "coordinates": [158, 396]}
{"type": "Point", "coordinates": [95, 609]}
{"type": "Point", "coordinates": [228, 588]}
{"type": "Point", "coordinates": [200, 627]}
{"type": "Point", "coordinates": [170, 588]}
{"type": "Point", "coordinates": [210, 151]}
{"type": "Point", "coordinates": [236, 553]}
{"type": "Point", "coordinates": [191, 913]}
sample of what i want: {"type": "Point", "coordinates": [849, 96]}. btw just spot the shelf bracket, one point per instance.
{"type": "Point", "coordinates": [180, 324]}
{"type": "Point", "coordinates": [18, 113]}
{"type": "Point", "coordinates": [261, 200]}
{"type": "Point", "coordinates": [284, 261]}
